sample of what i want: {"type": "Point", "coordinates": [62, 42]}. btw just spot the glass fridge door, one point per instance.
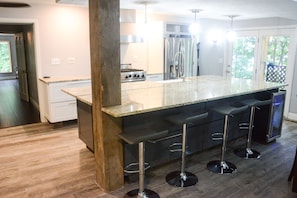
{"type": "Point", "coordinates": [277, 112]}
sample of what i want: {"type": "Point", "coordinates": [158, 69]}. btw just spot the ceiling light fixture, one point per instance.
{"type": "Point", "coordinates": [195, 28]}
{"type": "Point", "coordinates": [145, 3]}
{"type": "Point", "coordinates": [231, 34]}
{"type": "Point", "coordinates": [143, 28]}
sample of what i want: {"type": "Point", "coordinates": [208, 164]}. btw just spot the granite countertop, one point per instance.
{"type": "Point", "coordinates": [146, 96]}
{"type": "Point", "coordinates": [48, 79]}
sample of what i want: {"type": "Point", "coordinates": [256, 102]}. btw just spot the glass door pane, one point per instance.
{"type": "Point", "coordinates": [275, 51]}
{"type": "Point", "coordinates": [5, 57]}
{"type": "Point", "coordinates": [243, 57]}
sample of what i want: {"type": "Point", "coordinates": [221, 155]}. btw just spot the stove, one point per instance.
{"type": "Point", "coordinates": [131, 75]}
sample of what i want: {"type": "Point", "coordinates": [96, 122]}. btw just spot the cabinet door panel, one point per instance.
{"type": "Point", "coordinates": [56, 93]}
{"type": "Point", "coordinates": [63, 111]}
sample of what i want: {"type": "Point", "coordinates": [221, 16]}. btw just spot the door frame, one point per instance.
{"type": "Point", "coordinates": [286, 30]}
{"type": "Point", "coordinates": [21, 21]}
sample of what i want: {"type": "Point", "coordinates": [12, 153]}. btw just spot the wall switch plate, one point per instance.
{"type": "Point", "coordinates": [71, 60]}
{"type": "Point", "coordinates": [55, 61]}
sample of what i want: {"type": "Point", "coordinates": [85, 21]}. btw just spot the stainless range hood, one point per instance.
{"type": "Point", "coordinates": [128, 23]}
{"type": "Point", "coordinates": [73, 2]}
{"type": "Point", "coordinates": [131, 39]}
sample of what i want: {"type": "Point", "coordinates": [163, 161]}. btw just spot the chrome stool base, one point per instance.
{"type": "Point", "coordinates": [221, 167]}
{"type": "Point", "coordinates": [175, 179]}
{"type": "Point", "coordinates": [145, 194]}
{"type": "Point", "coordinates": [247, 153]}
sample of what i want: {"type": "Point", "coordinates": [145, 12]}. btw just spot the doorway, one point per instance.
{"type": "Point", "coordinates": [267, 54]}
{"type": "Point", "coordinates": [21, 91]}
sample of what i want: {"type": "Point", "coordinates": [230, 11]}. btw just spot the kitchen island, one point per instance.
{"type": "Point", "coordinates": [146, 104]}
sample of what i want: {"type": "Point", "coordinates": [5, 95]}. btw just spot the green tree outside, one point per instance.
{"type": "Point", "coordinates": [5, 58]}
{"type": "Point", "coordinates": [275, 51]}
{"type": "Point", "coordinates": [243, 60]}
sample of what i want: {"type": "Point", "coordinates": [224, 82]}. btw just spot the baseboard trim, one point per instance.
{"type": "Point", "coordinates": [292, 116]}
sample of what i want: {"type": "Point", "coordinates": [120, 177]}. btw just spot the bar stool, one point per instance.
{"type": "Point", "coordinates": [139, 137]}
{"type": "Point", "coordinates": [182, 178]}
{"type": "Point", "coordinates": [248, 152]}
{"type": "Point", "coordinates": [222, 166]}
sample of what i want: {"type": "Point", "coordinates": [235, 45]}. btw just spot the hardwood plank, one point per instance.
{"type": "Point", "coordinates": [14, 111]}
{"type": "Point", "coordinates": [46, 161]}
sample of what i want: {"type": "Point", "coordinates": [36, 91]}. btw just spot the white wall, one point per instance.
{"type": "Point", "coordinates": [63, 33]}
{"type": "Point", "coordinates": [212, 52]}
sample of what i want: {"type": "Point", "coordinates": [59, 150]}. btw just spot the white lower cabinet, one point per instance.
{"type": "Point", "coordinates": [63, 111]}
{"type": "Point", "coordinates": [59, 105]}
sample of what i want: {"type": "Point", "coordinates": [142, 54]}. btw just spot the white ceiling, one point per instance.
{"type": "Point", "coordinates": [216, 9]}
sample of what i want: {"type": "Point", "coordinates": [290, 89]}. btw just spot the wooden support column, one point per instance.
{"type": "Point", "coordinates": [106, 91]}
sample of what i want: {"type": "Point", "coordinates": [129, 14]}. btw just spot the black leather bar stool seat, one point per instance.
{"type": "Point", "coordinates": [248, 152]}
{"type": "Point", "coordinates": [182, 178]}
{"type": "Point", "coordinates": [222, 166]}
{"type": "Point", "coordinates": [139, 137]}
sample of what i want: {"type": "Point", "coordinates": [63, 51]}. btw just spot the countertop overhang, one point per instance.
{"type": "Point", "coordinates": [146, 96]}
{"type": "Point", "coordinates": [48, 79]}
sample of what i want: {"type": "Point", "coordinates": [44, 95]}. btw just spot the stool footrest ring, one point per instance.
{"type": "Point", "coordinates": [217, 136]}
{"type": "Point", "coordinates": [175, 147]}
{"type": "Point", "coordinates": [134, 167]}
{"type": "Point", "coordinates": [244, 126]}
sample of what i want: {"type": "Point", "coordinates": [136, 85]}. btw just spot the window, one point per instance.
{"type": "Point", "coordinates": [5, 57]}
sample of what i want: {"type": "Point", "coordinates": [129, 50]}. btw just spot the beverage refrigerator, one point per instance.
{"type": "Point", "coordinates": [269, 119]}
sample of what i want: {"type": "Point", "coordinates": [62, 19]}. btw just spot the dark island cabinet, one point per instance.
{"type": "Point", "coordinates": [199, 135]}
{"type": "Point", "coordinates": [85, 126]}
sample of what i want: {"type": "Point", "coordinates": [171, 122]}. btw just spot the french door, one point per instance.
{"type": "Point", "coordinates": [267, 54]}
{"type": "Point", "coordinates": [243, 56]}
{"type": "Point", "coordinates": [22, 68]}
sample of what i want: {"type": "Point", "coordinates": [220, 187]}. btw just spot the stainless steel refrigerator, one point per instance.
{"type": "Point", "coordinates": [181, 56]}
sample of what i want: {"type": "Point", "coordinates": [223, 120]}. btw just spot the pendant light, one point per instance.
{"type": "Point", "coordinates": [195, 28]}
{"type": "Point", "coordinates": [144, 29]}
{"type": "Point", "coordinates": [231, 34]}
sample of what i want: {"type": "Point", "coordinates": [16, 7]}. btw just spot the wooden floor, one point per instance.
{"type": "Point", "coordinates": [42, 161]}
{"type": "Point", "coordinates": [13, 110]}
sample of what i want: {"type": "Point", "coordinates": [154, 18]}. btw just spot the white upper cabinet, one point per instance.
{"type": "Point", "coordinates": [147, 55]}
